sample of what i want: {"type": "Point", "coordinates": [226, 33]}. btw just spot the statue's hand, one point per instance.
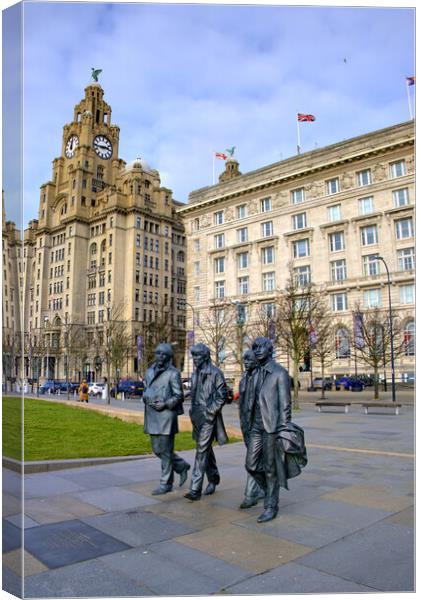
{"type": "Point", "coordinates": [159, 405]}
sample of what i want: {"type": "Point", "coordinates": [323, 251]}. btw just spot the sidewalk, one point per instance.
{"type": "Point", "coordinates": [345, 525]}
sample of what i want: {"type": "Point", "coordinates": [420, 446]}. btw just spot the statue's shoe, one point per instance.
{"type": "Point", "coordinates": [210, 488]}
{"type": "Point", "coordinates": [162, 490]}
{"type": "Point", "coordinates": [267, 515]}
{"type": "Point", "coordinates": [248, 502]}
{"type": "Point", "coordinates": [193, 496]}
{"type": "Point", "coordinates": [183, 475]}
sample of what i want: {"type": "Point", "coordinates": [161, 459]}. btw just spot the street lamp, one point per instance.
{"type": "Point", "coordinates": [189, 337]}
{"type": "Point", "coordinates": [392, 354]}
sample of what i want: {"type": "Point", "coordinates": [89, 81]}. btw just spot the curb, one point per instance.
{"type": "Point", "coordinates": [42, 466]}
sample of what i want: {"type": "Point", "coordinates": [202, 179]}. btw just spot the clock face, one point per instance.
{"type": "Point", "coordinates": [72, 144]}
{"type": "Point", "coordinates": [103, 146]}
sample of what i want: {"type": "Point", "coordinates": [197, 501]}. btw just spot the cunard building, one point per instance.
{"type": "Point", "coordinates": [107, 257]}
{"type": "Point", "coordinates": [328, 214]}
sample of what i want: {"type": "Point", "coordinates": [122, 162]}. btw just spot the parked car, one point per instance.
{"type": "Point", "coordinates": [350, 383]}
{"type": "Point", "coordinates": [49, 387]}
{"type": "Point", "coordinates": [319, 384]}
{"type": "Point", "coordinates": [129, 388]}
{"type": "Point", "coordinates": [95, 389]}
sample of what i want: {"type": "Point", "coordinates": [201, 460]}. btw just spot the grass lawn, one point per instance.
{"type": "Point", "coordinates": [57, 431]}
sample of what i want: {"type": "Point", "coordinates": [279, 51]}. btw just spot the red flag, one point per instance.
{"type": "Point", "coordinates": [301, 117]}
{"type": "Point", "coordinates": [410, 80]}
{"type": "Point", "coordinates": [221, 155]}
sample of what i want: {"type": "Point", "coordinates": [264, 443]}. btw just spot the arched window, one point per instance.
{"type": "Point", "coordinates": [342, 343]}
{"type": "Point", "coordinates": [103, 245]}
{"type": "Point", "coordinates": [409, 338]}
{"type": "Point", "coordinates": [93, 249]}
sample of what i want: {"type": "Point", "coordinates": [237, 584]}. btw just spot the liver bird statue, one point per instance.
{"type": "Point", "coordinates": [95, 73]}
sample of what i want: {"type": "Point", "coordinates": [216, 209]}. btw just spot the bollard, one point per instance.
{"type": "Point", "coordinates": [122, 396]}
{"type": "Point", "coordinates": [74, 394]}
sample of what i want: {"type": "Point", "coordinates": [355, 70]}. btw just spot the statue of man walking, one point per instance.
{"type": "Point", "coordinates": [163, 398]}
{"type": "Point", "coordinates": [208, 396]}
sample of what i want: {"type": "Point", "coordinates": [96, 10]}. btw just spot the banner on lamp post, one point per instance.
{"type": "Point", "coordinates": [190, 338]}
{"type": "Point", "coordinates": [139, 347]}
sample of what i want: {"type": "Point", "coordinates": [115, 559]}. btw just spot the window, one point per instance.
{"type": "Point", "coordinates": [336, 241]}
{"type": "Point", "coordinates": [407, 294]}
{"type": "Point", "coordinates": [339, 302]}
{"type": "Point", "coordinates": [219, 264]}
{"type": "Point", "coordinates": [364, 177]}
{"type": "Point", "coordinates": [372, 298]}
{"type": "Point", "coordinates": [195, 225]}
{"type": "Point", "coordinates": [297, 196]}
{"type": "Point", "coordinates": [299, 221]}
{"type": "Point", "coordinates": [338, 270]}
{"type": "Point", "coordinates": [218, 217]}
{"type": "Point", "coordinates": [302, 275]}
{"type": "Point", "coordinates": [301, 248]}
{"type": "Point", "coordinates": [265, 204]}
{"type": "Point", "coordinates": [138, 222]}
{"type": "Point", "coordinates": [242, 235]}
{"type": "Point", "coordinates": [371, 265]}
{"type": "Point", "coordinates": [197, 293]}
{"type": "Point", "coordinates": [243, 285]}
{"type": "Point", "coordinates": [268, 309]}
{"type": "Point", "coordinates": [334, 213]}
{"type": "Point", "coordinates": [366, 205]}
{"type": "Point", "coordinates": [219, 289]}
{"type": "Point", "coordinates": [138, 241]}
{"type": "Point", "coordinates": [397, 169]}
{"type": "Point", "coordinates": [332, 186]}
{"type": "Point", "coordinates": [369, 235]}
{"type": "Point", "coordinates": [409, 339]}
{"type": "Point", "coordinates": [243, 260]}
{"type": "Point", "coordinates": [268, 255]}
{"type": "Point", "coordinates": [269, 281]}
{"type": "Point", "coordinates": [406, 259]}
{"type": "Point", "coordinates": [342, 344]}
{"type": "Point", "coordinates": [267, 229]}
{"type": "Point", "coordinates": [242, 211]}
{"type": "Point", "coordinates": [219, 240]}
{"type": "Point", "coordinates": [196, 268]}
{"type": "Point", "coordinates": [400, 197]}
{"type": "Point", "coordinates": [196, 245]}
{"type": "Point", "coordinates": [404, 228]}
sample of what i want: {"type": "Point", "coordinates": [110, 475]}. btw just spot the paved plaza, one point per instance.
{"type": "Point", "coordinates": [346, 524]}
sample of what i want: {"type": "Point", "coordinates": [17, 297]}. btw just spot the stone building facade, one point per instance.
{"type": "Point", "coordinates": [328, 213]}
{"type": "Point", "coordinates": [107, 241]}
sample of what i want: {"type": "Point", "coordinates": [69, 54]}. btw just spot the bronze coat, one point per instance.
{"type": "Point", "coordinates": [166, 386]}
{"type": "Point", "coordinates": [209, 394]}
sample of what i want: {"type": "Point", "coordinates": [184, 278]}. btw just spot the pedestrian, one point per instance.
{"type": "Point", "coordinates": [83, 391]}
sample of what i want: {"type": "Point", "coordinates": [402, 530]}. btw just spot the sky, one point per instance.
{"type": "Point", "coordinates": [184, 81]}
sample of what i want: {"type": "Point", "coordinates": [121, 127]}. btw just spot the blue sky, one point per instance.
{"type": "Point", "coordinates": [184, 80]}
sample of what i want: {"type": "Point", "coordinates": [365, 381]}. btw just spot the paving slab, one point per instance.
{"type": "Point", "coordinates": [198, 515]}
{"type": "Point", "coordinates": [69, 542]}
{"type": "Point", "coordinates": [14, 560]}
{"type": "Point", "coordinates": [373, 496]}
{"type": "Point", "coordinates": [20, 521]}
{"type": "Point", "coordinates": [114, 498]}
{"type": "Point", "coordinates": [90, 579]}
{"type": "Point", "coordinates": [12, 536]}
{"type": "Point", "coordinates": [11, 582]}
{"type": "Point", "coordinates": [297, 579]}
{"type": "Point", "coordinates": [96, 479]}
{"type": "Point", "coordinates": [163, 576]}
{"type": "Point", "coordinates": [137, 528]}
{"type": "Point", "coordinates": [11, 505]}
{"type": "Point", "coordinates": [238, 546]}
{"type": "Point", "coordinates": [11, 482]}
{"type": "Point", "coordinates": [44, 484]}
{"type": "Point", "coordinates": [385, 557]}
{"type": "Point", "coordinates": [58, 508]}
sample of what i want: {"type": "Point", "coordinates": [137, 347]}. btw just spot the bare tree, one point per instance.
{"type": "Point", "coordinates": [215, 327]}
{"type": "Point", "coordinates": [76, 347]}
{"type": "Point", "coordinates": [117, 338]}
{"type": "Point", "coordinates": [372, 340]}
{"type": "Point", "coordinates": [158, 330]}
{"type": "Point", "coordinates": [322, 336]}
{"type": "Point", "coordinates": [295, 307]}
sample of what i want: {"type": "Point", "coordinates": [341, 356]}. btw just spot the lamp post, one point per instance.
{"type": "Point", "coordinates": [189, 338]}
{"type": "Point", "coordinates": [392, 354]}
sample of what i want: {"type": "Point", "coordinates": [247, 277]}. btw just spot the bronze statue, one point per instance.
{"type": "Point", "coordinates": [208, 396]}
{"type": "Point", "coordinates": [163, 398]}
{"type": "Point", "coordinates": [253, 492]}
{"type": "Point", "coordinates": [276, 450]}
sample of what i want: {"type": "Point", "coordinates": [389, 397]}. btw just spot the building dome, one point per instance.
{"type": "Point", "coordinates": [138, 165]}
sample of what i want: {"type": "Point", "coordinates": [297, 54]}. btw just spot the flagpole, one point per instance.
{"type": "Point", "coordinates": [298, 135]}
{"type": "Point", "coordinates": [409, 101]}
{"type": "Point", "coordinates": [213, 168]}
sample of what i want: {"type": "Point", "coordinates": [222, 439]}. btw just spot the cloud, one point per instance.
{"type": "Point", "coordinates": [184, 80]}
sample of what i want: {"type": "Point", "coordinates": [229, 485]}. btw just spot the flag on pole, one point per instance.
{"type": "Point", "coordinates": [410, 80]}
{"type": "Point", "coordinates": [221, 155]}
{"type": "Point", "coordinates": [302, 118]}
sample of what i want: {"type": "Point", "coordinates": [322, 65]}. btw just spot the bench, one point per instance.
{"type": "Point", "coordinates": [367, 405]}
{"type": "Point", "coordinates": [345, 405]}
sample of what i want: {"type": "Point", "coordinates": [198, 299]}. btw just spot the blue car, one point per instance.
{"type": "Point", "coordinates": [350, 383]}
{"type": "Point", "coordinates": [129, 387]}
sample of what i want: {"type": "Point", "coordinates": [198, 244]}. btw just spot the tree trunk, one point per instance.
{"type": "Point", "coordinates": [323, 379]}
{"type": "Point", "coordinates": [295, 403]}
{"type": "Point", "coordinates": [376, 383]}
